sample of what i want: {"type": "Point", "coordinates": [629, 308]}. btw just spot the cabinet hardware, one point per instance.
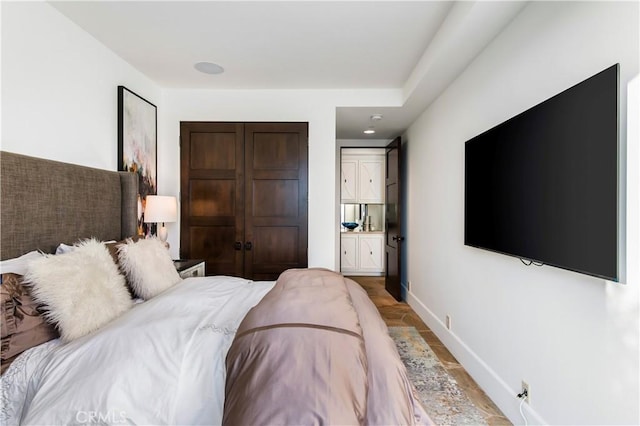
{"type": "Point", "coordinates": [248, 245]}
{"type": "Point", "coordinates": [238, 245]}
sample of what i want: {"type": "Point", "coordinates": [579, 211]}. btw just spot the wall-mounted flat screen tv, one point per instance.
{"type": "Point", "coordinates": [543, 185]}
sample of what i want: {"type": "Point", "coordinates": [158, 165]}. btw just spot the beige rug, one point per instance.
{"type": "Point", "coordinates": [439, 393]}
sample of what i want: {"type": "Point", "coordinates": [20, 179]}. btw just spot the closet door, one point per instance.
{"type": "Point", "coordinates": [276, 198]}
{"type": "Point", "coordinates": [244, 197]}
{"type": "Point", "coordinates": [212, 195]}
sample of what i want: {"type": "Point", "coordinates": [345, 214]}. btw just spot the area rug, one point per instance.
{"type": "Point", "coordinates": [439, 393]}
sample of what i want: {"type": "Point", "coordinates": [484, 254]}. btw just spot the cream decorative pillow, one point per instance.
{"type": "Point", "coordinates": [148, 267]}
{"type": "Point", "coordinates": [82, 290]}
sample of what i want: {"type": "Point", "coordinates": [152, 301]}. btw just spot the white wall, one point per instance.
{"type": "Point", "coordinates": [317, 107]}
{"type": "Point", "coordinates": [59, 88]}
{"type": "Point", "coordinates": [572, 337]}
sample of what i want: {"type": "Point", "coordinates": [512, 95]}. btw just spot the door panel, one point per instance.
{"type": "Point", "coordinates": [209, 197]}
{"type": "Point", "coordinates": [275, 198]}
{"type": "Point", "coordinates": [275, 245]}
{"type": "Point", "coordinates": [213, 151]}
{"type": "Point", "coordinates": [210, 242]}
{"type": "Point", "coordinates": [393, 237]}
{"type": "Point", "coordinates": [391, 215]}
{"type": "Point", "coordinates": [276, 151]}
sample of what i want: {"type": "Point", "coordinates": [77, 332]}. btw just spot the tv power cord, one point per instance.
{"type": "Point", "coordinates": [523, 396]}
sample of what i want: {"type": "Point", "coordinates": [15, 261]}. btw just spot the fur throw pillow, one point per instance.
{"type": "Point", "coordinates": [82, 290]}
{"type": "Point", "coordinates": [148, 267]}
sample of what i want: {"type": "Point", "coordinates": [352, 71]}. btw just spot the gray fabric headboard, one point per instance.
{"type": "Point", "coordinates": [44, 203]}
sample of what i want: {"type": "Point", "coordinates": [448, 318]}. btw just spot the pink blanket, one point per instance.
{"type": "Point", "coordinates": [315, 351]}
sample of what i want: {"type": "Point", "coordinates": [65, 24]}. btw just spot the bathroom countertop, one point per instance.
{"type": "Point", "coordinates": [362, 232]}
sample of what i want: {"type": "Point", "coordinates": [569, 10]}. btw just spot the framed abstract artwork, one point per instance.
{"type": "Point", "coordinates": [138, 144]}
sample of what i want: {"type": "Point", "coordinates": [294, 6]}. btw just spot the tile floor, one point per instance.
{"type": "Point", "coordinates": [400, 314]}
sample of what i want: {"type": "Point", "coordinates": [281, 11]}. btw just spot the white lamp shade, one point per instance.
{"type": "Point", "coordinates": [160, 209]}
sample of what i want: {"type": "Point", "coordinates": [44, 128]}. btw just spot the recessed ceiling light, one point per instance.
{"type": "Point", "coordinates": [369, 131]}
{"type": "Point", "coordinates": [209, 68]}
{"type": "Point", "coordinates": [376, 117]}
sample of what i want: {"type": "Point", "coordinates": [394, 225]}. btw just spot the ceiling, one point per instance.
{"type": "Point", "coordinates": [414, 47]}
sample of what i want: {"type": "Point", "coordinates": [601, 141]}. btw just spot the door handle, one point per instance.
{"type": "Point", "coordinates": [397, 238]}
{"type": "Point", "coordinates": [237, 245]}
{"type": "Point", "coordinates": [248, 246]}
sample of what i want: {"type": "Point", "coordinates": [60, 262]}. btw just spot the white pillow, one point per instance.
{"type": "Point", "coordinates": [64, 248]}
{"type": "Point", "coordinates": [82, 290]}
{"type": "Point", "coordinates": [18, 265]}
{"type": "Point", "coordinates": [148, 267]}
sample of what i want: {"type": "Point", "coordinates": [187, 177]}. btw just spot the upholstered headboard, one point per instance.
{"type": "Point", "coordinates": [44, 203]}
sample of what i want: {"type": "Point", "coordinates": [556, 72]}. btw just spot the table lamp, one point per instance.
{"type": "Point", "coordinates": [161, 209]}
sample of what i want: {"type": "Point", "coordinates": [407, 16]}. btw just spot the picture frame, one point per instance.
{"type": "Point", "coordinates": [138, 145]}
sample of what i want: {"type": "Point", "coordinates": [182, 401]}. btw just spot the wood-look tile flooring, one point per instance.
{"type": "Point", "coordinates": [400, 314]}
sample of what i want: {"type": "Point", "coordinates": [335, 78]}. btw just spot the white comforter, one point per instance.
{"type": "Point", "coordinates": [160, 363]}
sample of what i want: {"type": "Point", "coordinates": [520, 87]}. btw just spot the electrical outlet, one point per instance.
{"type": "Point", "coordinates": [525, 387]}
{"type": "Point", "coordinates": [447, 321]}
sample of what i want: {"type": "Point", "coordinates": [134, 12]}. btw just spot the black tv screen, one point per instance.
{"type": "Point", "coordinates": [543, 185]}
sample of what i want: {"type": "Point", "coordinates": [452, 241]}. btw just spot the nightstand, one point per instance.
{"type": "Point", "coordinates": [189, 267]}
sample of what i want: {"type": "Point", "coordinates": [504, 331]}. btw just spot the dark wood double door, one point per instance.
{"type": "Point", "coordinates": [244, 197]}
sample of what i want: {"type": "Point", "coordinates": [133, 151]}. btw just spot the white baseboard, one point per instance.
{"type": "Point", "coordinates": [496, 388]}
{"type": "Point", "coordinates": [362, 274]}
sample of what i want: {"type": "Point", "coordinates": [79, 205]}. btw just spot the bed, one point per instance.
{"type": "Point", "coordinates": [309, 348]}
